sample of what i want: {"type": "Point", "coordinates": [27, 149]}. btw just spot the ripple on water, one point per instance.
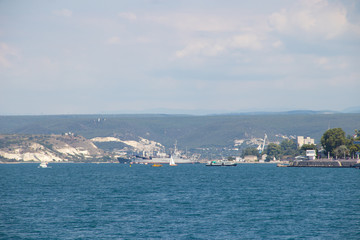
{"type": "Point", "coordinates": [114, 201]}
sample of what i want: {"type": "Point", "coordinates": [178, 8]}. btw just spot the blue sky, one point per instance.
{"type": "Point", "coordinates": [157, 56]}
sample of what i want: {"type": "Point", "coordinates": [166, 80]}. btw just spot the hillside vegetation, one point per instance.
{"type": "Point", "coordinates": [188, 131]}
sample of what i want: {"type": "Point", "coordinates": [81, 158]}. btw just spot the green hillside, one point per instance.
{"type": "Point", "coordinates": [189, 131]}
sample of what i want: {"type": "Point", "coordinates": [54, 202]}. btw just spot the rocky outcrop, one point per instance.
{"type": "Point", "coordinates": [48, 148]}
{"type": "Point", "coordinates": [141, 145]}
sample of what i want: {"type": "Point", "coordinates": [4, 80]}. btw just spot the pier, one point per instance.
{"type": "Point", "coordinates": [340, 163]}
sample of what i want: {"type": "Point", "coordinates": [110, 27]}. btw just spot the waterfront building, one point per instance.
{"type": "Point", "coordinates": [311, 154]}
{"type": "Point", "coordinates": [301, 140]}
{"type": "Point", "coordinates": [251, 158]}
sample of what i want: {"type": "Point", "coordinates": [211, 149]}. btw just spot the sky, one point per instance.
{"type": "Point", "coordinates": [178, 56]}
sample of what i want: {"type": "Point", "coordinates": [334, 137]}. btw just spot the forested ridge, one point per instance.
{"type": "Point", "coordinates": [187, 130]}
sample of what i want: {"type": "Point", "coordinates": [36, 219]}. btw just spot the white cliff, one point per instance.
{"type": "Point", "coordinates": [141, 145]}
{"type": "Point", "coordinates": [47, 148]}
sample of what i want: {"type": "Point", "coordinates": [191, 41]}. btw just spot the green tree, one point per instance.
{"type": "Point", "coordinates": [250, 151]}
{"type": "Point", "coordinates": [308, 147]}
{"type": "Point", "coordinates": [332, 139]}
{"type": "Point", "coordinates": [357, 134]}
{"type": "Point", "coordinates": [273, 150]}
{"type": "Point", "coordinates": [341, 151]}
{"type": "Point", "coordinates": [354, 149]}
{"type": "Point", "coordinates": [289, 147]}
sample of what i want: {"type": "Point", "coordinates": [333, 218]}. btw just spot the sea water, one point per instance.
{"type": "Point", "coordinates": [116, 201]}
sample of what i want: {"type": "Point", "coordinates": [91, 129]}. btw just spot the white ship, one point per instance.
{"type": "Point", "coordinates": [177, 158]}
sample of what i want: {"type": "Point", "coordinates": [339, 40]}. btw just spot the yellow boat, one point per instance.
{"type": "Point", "coordinates": [157, 165]}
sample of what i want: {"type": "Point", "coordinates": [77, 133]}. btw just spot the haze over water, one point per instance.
{"type": "Point", "coordinates": [114, 201]}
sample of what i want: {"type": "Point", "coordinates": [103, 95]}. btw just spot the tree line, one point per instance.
{"type": "Point", "coordinates": [334, 144]}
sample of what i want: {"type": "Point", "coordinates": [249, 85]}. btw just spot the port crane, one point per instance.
{"type": "Point", "coordinates": [262, 146]}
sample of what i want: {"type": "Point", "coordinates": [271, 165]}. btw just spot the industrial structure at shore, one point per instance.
{"type": "Point", "coordinates": [341, 163]}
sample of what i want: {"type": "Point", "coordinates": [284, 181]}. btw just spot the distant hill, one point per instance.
{"type": "Point", "coordinates": [294, 112]}
{"type": "Point", "coordinates": [189, 131]}
{"type": "Point", "coordinates": [352, 110]}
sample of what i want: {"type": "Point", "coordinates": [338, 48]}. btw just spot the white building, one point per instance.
{"type": "Point", "coordinates": [251, 158]}
{"type": "Point", "coordinates": [301, 141]}
{"type": "Point", "coordinates": [311, 154]}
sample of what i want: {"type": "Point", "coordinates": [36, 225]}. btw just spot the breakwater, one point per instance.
{"type": "Point", "coordinates": [341, 163]}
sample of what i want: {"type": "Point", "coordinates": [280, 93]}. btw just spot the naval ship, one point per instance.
{"type": "Point", "coordinates": [162, 157]}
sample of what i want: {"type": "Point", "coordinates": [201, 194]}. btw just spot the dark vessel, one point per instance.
{"type": "Point", "coordinates": [124, 159]}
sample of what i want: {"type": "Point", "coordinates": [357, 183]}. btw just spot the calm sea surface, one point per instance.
{"type": "Point", "coordinates": [114, 201]}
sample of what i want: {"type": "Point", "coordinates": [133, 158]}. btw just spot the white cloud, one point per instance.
{"type": "Point", "coordinates": [314, 17]}
{"type": "Point", "coordinates": [280, 47]}
{"type": "Point", "coordinates": [344, 82]}
{"type": "Point", "coordinates": [322, 60]}
{"type": "Point", "coordinates": [63, 12]}
{"type": "Point", "coordinates": [209, 47]}
{"type": "Point", "coordinates": [201, 47]}
{"type": "Point", "coordinates": [143, 39]}
{"type": "Point", "coordinates": [279, 20]}
{"type": "Point", "coordinates": [6, 54]}
{"type": "Point", "coordinates": [128, 16]}
{"type": "Point", "coordinates": [113, 40]}
{"type": "Point", "coordinates": [332, 63]}
{"type": "Point", "coordinates": [199, 22]}
{"type": "Point", "coordinates": [192, 48]}
{"type": "Point", "coordinates": [246, 41]}
{"type": "Point", "coordinates": [277, 44]}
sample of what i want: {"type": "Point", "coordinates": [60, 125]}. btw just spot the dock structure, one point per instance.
{"type": "Point", "coordinates": [341, 163]}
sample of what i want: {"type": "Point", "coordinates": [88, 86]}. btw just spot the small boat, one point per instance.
{"type": "Point", "coordinates": [172, 162]}
{"type": "Point", "coordinates": [214, 164]}
{"type": "Point", "coordinates": [221, 163]}
{"type": "Point", "coordinates": [157, 165]}
{"type": "Point", "coordinates": [282, 165]}
{"type": "Point", "coordinates": [43, 165]}
{"type": "Point", "coordinates": [229, 164]}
